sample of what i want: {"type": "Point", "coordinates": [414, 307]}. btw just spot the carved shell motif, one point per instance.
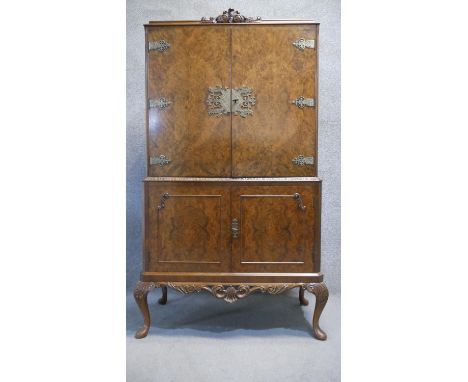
{"type": "Point", "coordinates": [230, 294]}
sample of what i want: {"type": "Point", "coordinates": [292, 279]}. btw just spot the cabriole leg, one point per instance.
{"type": "Point", "coordinates": [163, 299]}
{"type": "Point", "coordinates": [321, 297]}
{"type": "Point", "coordinates": [302, 299]}
{"type": "Point", "coordinates": [141, 297]}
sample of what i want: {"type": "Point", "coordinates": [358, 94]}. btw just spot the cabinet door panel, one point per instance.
{"type": "Point", "coordinates": [187, 228]}
{"type": "Point", "coordinates": [196, 143]}
{"type": "Point", "coordinates": [265, 59]}
{"type": "Point", "coordinates": [275, 233]}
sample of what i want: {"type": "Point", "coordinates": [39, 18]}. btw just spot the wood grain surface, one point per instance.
{"type": "Point", "coordinates": [190, 230]}
{"type": "Point", "coordinates": [196, 143]}
{"type": "Point", "coordinates": [261, 57]}
{"type": "Point", "coordinates": [229, 167]}
{"type": "Point", "coordinates": [264, 58]}
{"type": "Point", "coordinates": [275, 234]}
{"type": "Point", "coordinates": [232, 277]}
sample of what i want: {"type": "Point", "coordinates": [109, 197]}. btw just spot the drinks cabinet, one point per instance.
{"type": "Point", "coordinates": [232, 201]}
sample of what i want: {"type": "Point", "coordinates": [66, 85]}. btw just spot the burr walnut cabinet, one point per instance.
{"type": "Point", "coordinates": [232, 201]}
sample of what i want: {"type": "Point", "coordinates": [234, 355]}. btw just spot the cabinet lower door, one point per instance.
{"type": "Point", "coordinates": [187, 228]}
{"type": "Point", "coordinates": [277, 228]}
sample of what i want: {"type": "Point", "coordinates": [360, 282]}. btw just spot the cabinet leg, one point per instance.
{"type": "Point", "coordinates": [320, 291]}
{"type": "Point", "coordinates": [302, 299]}
{"type": "Point", "coordinates": [163, 299]}
{"type": "Point", "coordinates": [141, 297]}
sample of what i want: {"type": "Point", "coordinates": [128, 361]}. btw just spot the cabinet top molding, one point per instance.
{"type": "Point", "coordinates": [230, 16]}
{"type": "Point", "coordinates": [233, 180]}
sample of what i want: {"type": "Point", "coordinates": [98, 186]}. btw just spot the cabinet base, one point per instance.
{"type": "Point", "coordinates": [231, 293]}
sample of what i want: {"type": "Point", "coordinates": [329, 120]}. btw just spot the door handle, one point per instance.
{"type": "Point", "coordinates": [162, 201]}
{"type": "Point", "coordinates": [235, 228]}
{"type": "Point", "coordinates": [300, 203]}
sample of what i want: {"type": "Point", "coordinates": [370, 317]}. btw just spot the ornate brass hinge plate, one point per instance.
{"type": "Point", "coordinates": [160, 45]}
{"type": "Point", "coordinates": [159, 161]}
{"type": "Point", "coordinates": [303, 43]}
{"type": "Point", "coordinates": [160, 103]}
{"type": "Point", "coordinates": [301, 160]}
{"type": "Point", "coordinates": [302, 102]}
{"type": "Point", "coordinates": [238, 101]}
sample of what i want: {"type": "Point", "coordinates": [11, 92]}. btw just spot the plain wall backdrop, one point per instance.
{"type": "Point", "coordinates": [64, 235]}
{"type": "Point", "coordinates": [327, 13]}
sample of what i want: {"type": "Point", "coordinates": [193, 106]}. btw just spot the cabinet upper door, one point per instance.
{"type": "Point", "coordinates": [279, 138]}
{"type": "Point", "coordinates": [183, 62]}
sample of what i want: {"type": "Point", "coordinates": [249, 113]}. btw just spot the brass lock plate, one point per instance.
{"type": "Point", "coordinates": [224, 100]}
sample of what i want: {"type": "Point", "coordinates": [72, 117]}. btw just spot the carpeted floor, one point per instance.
{"type": "Point", "coordinates": [262, 338]}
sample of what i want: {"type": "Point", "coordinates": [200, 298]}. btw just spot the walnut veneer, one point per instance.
{"type": "Point", "coordinates": [232, 203]}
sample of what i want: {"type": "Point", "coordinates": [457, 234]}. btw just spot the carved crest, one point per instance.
{"type": "Point", "coordinates": [230, 16]}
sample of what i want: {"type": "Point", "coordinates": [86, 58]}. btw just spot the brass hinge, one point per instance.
{"type": "Point", "coordinates": [160, 103]}
{"type": "Point", "coordinates": [160, 45]}
{"type": "Point", "coordinates": [301, 102]}
{"type": "Point", "coordinates": [159, 161]}
{"type": "Point", "coordinates": [303, 43]}
{"type": "Point", "coordinates": [301, 160]}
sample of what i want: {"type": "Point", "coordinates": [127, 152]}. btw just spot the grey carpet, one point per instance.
{"type": "Point", "coordinates": [262, 338]}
